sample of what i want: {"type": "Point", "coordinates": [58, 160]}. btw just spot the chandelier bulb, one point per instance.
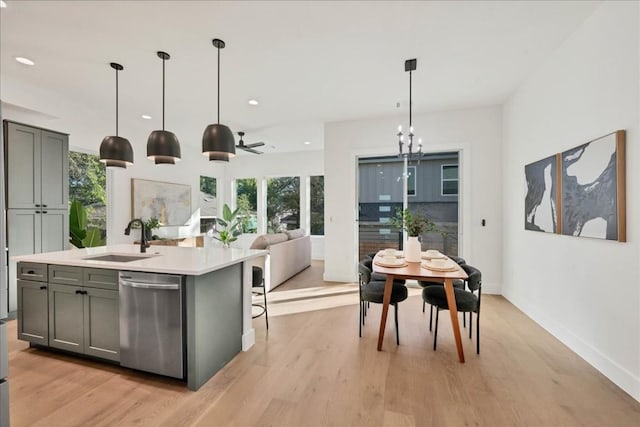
{"type": "Point", "coordinates": [399, 128]}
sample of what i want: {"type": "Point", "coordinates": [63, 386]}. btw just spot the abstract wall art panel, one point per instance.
{"type": "Point", "coordinates": [170, 203]}
{"type": "Point", "coordinates": [593, 189]}
{"type": "Point", "coordinates": [541, 203]}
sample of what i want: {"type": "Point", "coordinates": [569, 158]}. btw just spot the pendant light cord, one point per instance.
{"type": "Point", "coordinates": [218, 85]}
{"type": "Point", "coordinates": [163, 60]}
{"type": "Point", "coordinates": [116, 102]}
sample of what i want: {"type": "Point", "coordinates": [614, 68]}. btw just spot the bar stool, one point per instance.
{"type": "Point", "coordinates": [258, 282]}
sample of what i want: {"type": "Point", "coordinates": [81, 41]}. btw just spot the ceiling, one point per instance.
{"type": "Point", "coordinates": [306, 62]}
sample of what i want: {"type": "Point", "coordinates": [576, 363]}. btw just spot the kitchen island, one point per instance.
{"type": "Point", "coordinates": [215, 299]}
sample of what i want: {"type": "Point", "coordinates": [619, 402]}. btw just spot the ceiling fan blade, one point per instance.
{"type": "Point", "coordinates": [256, 144]}
{"type": "Point", "coordinates": [251, 150]}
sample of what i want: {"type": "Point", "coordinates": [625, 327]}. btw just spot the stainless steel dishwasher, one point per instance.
{"type": "Point", "coordinates": [151, 335]}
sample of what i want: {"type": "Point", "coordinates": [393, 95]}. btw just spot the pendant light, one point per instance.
{"type": "Point", "coordinates": [116, 151]}
{"type": "Point", "coordinates": [218, 142]}
{"type": "Point", "coordinates": [162, 145]}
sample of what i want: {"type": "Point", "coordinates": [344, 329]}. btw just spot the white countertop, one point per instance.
{"type": "Point", "coordinates": [162, 259]}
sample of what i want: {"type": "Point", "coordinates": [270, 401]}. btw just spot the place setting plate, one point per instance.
{"type": "Point", "coordinates": [433, 255]}
{"type": "Point", "coordinates": [391, 252]}
{"type": "Point", "coordinates": [391, 262]}
{"type": "Point", "coordinates": [448, 265]}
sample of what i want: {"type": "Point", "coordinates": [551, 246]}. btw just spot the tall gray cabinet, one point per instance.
{"type": "Point", "coordinates": [37, 193]}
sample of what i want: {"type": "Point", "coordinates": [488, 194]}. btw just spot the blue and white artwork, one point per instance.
{"type": "Point", "coordinates": [590, 199]}
{"type": "Point", "coordinates": [540, 202]}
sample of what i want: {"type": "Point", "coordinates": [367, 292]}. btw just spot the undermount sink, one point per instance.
{"type": "Point", "coordinates": [117, 257]}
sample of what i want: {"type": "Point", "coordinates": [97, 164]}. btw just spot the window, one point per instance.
{"type": "Point", "coordinates": [283, 204]}
{"type": "Point", "coordinates": [317, 205]}
{"type": "Point", "coordinates": [449, 180]}
{"type": "Point", "coordinates": [208, 203]}
{"type": "Point", "coordinates": [247, 203]}
{"type": "Point", "coordinates": [411, 181]}
{"type": "Point", "coordinates": [88, 184]}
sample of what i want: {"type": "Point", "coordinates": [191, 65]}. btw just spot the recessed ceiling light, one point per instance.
{"type": "Point", "coordinates": [146, 117]}
{"type": "Point", "coordinates": [253, 102]}
{"type": "Point", "coordinates": [307, 142]}
{"type": "Point", "coordinates": [3, 4]}
{"type": "Point", "coordinates": [25, 61]}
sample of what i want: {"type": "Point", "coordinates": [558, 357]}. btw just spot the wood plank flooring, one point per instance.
{"type": "Point", "coordinates": [311, 369]}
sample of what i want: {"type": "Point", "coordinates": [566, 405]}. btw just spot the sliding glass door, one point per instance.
{"type": "Point", "coordinates": [432, 188]}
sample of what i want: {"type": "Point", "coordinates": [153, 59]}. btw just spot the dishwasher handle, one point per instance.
{"type": "Point", "coordinates": [141, 285]}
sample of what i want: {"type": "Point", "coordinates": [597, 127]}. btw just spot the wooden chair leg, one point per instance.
{"type": "Point", "coordinates": [435, 335]}
{"type": "Point", "coordinates": [397, 332]}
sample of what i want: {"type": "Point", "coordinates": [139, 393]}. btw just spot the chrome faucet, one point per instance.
{"type": "Point", "coordinates": [143, 235]}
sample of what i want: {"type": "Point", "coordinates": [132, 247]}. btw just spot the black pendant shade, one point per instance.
{"type": "Point", "coordinates": [163, 146]}
{"type": "Point", "coordinates": [116, 151]}
{"type": "Point", "coordinates": [218, 142]}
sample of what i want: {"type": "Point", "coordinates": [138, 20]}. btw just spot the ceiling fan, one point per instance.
{"type": "Point", "coordinates": [248, 147]}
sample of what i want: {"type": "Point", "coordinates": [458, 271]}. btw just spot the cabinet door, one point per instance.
{"type": "Point", "coordinates": [102, 327]}
{"type": "Point", "coordinates": [23, 237]}
{"type": "Point", "coordinates": [66, 323]}
{"type": "Point", "coordinates": [55, 170]}
{"type": "Point", "coordinates": [55, 230]}
{"type": "Point", "coordinates": [33, 316]}
{"type": "Point", "coordinates": [24, 163]}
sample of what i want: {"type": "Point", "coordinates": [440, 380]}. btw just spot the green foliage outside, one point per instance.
{"type": "Point", "coordinates": [283, 204]}
{"type": "Point", "coordinates": [247, 203]}
{"type": "Point", "coordinates": [317, 205]}
{"type": "Point", "coordinates": [87, 184]}
{"type": "Point", "coordinates": [208, 185]}
{"type": "Point", "coordinates": [80, 235]}
{"type": "Point", "coordinates": [230, 226]}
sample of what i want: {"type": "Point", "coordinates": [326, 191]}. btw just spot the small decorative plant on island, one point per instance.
{"type": "Point", "coordinates": [149, 225]}
{"type": "Point", "coordinates": [415, 224]}
{"type": "Point", "coordinates": [229, 226]}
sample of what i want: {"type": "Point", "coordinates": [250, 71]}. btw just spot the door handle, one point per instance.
{"type": "Point", "coordinates": [140, 285]}
{"type": "Point", "coordinates": [79, 292]}
{"type": "Point", "coordinates": [44, 211]}
{"type": "Point", "coordinates": [42, 288]}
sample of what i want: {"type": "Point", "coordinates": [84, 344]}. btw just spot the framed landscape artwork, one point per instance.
{"type": "Point", "coordinates": [542, 203]}
{"type": "Point", "coordinates": [170, 203]}
{"type": "Point", "coordinates": [593, 189]}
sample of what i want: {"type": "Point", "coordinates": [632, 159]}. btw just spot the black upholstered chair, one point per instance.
{"type": "Point", "coordinates": [257, 281]}
{"type": "Point", "coordinates": [456, 284]}
{"type": "Point", "coordinates": [467, 301]}
{"type": "Point", "coordinates": [373, 291]}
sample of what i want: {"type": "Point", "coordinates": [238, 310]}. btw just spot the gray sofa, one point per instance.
{"type": "Point", "coordinates": [289, 254]}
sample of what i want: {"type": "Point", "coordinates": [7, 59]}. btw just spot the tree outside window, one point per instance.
{"type": "Point", "coordinates": [283, 204]}
{"type": "Point", "coordinates": [247, 203]}
{"type": "Point", "coordinates": [87, 184]}
{"type": "Point", "coordinates": [317, 205]}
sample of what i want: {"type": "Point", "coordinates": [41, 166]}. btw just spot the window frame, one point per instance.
{"type": "Point", "coordinates": [413, 175]}
{"type": "Point", "coordinates": [443, 179]}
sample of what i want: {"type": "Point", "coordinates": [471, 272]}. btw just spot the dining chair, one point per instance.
{"type": "Point", "coordinates": [373, 291]}
{"type": "Point", "coordinates": [456, 284]}
{"type": "Point", "coordinates": [379, 277]}
{"type": "Point", "coordinates": [257, 281]}
{"type": "Point", "coordinates": [466, 301]}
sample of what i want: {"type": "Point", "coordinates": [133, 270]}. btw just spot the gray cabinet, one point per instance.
{"type": "Point", "coordinates": [84, 311]}
{"type": "Point", "coordinates": [33, 314]}
{"type": "Point", "coordinates": [84, 320]}
{"type": "Point", "coordinates": [38, 168]}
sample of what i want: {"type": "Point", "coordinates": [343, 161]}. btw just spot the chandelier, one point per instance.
{"type": "Point", "coordinates": [406, 148]}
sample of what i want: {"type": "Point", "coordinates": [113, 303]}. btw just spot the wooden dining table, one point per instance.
{"type": "Point", "coordinates": [414, 270]}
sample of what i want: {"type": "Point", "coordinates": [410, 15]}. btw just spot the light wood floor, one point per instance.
{"type": "Point", "coordinates": [311, 369]}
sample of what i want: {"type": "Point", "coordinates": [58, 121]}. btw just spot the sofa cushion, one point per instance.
{"type": "Point", "coordinates": [295, 234]}
{"type": "Point", "coordinates": [263, 241]}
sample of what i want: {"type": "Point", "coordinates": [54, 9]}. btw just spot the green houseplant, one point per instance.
{"type": "Point", "coordinates": [415, 224]}
{"type": "Point", "coordinates": [229, 226]}
{"type": "Point", "coordinates": [80, 235]}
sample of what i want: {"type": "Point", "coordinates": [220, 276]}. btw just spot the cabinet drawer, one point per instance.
{"type": "Point", "coordinates": [65, 275]}
{"type": "Point", "coordinates": [32, 271]}
{"type": "Point", "coordinates": [100, 278]}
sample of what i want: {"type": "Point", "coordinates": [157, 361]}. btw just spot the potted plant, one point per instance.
{"type": "Point", "coordinates": [229, 226]}
{"type": "Point", "coordinates": [150, 225]}
{"type": "Point", "coordinates": [415, 224]}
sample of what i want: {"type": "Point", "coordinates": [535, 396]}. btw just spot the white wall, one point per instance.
{"type": "Point", "coordinates": [187, 171]}
{"type": "Point", "coordinates": [301, 163]}
{"type": "Point", "coordinates": [584, 291]}
{"type": "Point", "coordinates": [475, 132]}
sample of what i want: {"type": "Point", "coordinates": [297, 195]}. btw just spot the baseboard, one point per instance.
{"type": "Point", "coordinates": [248, 339]}
{"type": "Point", "coordinates": [339, 278]}
{"type": "Point", "coordinates": [620, 376]}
